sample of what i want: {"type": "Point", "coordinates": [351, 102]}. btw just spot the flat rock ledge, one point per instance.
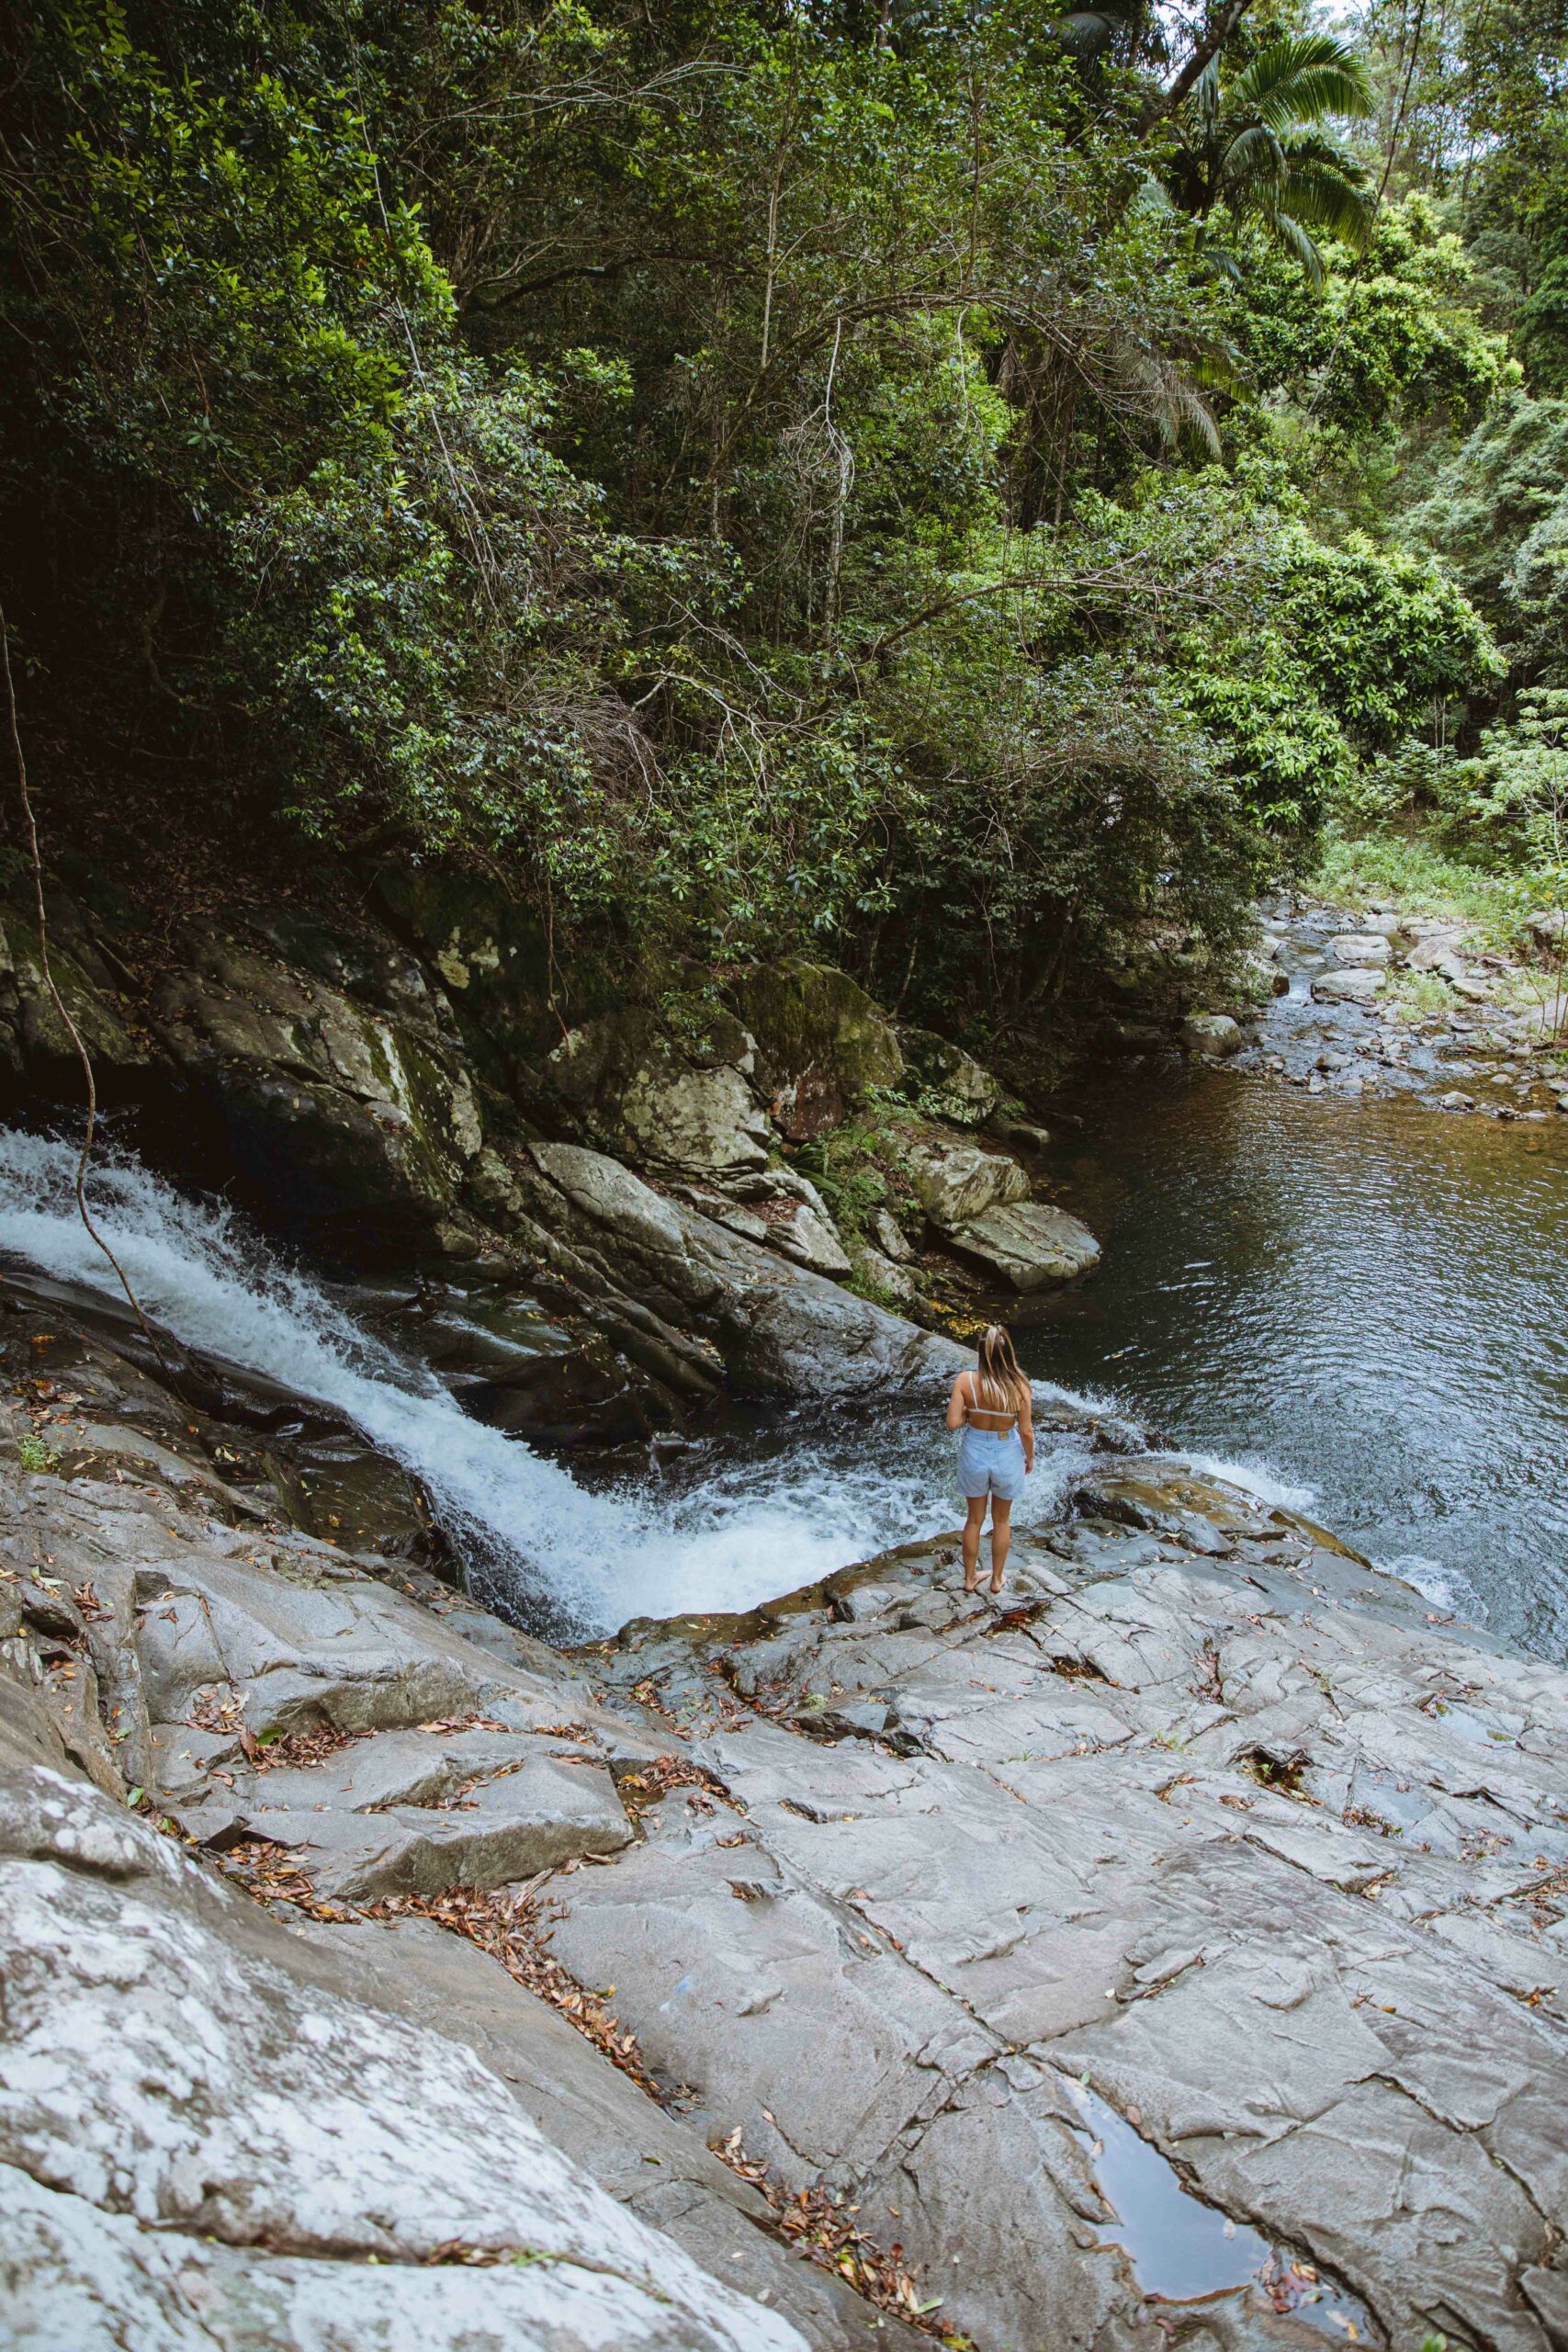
{"type": "Point", "coordinates": [1171, 1950]}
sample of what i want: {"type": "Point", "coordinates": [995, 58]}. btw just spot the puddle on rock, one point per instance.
{"type": "Point", "coordinates": [1183, 2251]}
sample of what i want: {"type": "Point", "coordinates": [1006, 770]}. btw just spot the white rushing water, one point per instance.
{"type": "Point", "coordinates": [754, 1525]}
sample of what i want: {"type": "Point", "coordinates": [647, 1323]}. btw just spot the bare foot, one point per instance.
{"type": "Point", "coordinates": [996, 1584]}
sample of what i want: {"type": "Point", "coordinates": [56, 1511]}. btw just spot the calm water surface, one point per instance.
{"type": "Point", "coordinates": [1366, 1301]}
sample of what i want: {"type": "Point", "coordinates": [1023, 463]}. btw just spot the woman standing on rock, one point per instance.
{"type": "Point", "coordinates": [992, 1405]}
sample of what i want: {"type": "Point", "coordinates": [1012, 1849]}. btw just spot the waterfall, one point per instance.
{"type": "Point", "coordinates": [748, 1530]}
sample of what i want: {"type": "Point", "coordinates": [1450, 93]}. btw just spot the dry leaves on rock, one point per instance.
{"type": "Point", "coordinates": [640, 1790]}
{"type": "Point", "coordinates": [508, 1928]}
{"type": "Point", "coordinates": [827, 2231]}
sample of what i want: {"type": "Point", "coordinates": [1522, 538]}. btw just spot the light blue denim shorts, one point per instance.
{"type": "Point", "coordinates": [991, 1462]}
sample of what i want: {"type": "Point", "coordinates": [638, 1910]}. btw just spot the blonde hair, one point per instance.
{"type": "Point", "coordinates": [999, 1374]}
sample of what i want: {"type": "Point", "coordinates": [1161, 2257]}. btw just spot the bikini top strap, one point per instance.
{"type": "Point", "coordinates": [997, 1412]}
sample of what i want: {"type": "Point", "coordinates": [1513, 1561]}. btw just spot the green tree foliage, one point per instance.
{"type": "Point", "coordinates": [1253, 143]}
{"type": "Point", "coordinates": [1498, 515]}
{"type": "Point", "coordinates": [754, 476]}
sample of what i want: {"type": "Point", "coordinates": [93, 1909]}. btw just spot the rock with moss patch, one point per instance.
{"type": "Point", "coordinates": [34, 1040]}
{"type": "Point", "coordinates": [823, 1043]}
{"type": "Point", "coordinates": [952, 1084]}
{"type": "Point", "coordinates": [346, 1112]}
{"type": "Point", "coordinates": [678, 1102]}
{"type": "Point", "coordinates": [1211, 1035]}
{"type": "Point", "coordinates": [956, 1180]}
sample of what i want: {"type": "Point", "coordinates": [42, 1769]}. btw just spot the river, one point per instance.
{"type": "Point", "coordinates": [1361, 1303]}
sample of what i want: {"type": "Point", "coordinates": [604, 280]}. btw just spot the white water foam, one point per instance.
{"type": "Point", "coordinates": [1449, 1588]}
{"type": "Point", "coordinates": [751, 1529]}
{"type": "Point", "coordinates": [1260, 1478]}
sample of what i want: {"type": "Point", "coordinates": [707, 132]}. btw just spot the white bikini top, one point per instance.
{"type": "Point", "coordinates": [993, 1412]}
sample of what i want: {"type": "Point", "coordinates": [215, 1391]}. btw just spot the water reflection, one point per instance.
{"type": "Point", "coordinates": [1365, 1299]}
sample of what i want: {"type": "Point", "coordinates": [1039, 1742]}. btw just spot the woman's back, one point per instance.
{"type": "Point", "coordinates": [988, 1405]}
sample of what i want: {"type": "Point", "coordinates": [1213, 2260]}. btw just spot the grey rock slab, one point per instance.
{"type": "Point", "coordinates": [408, 1768]}
{"type": "Point", "coordinates": [1390, 2111]}
{"type": "Point", "coordinates": [956, 1180]}
{"type": "Point", "coordinates": [635, 2149]}
{"type": "Point", "coordinates": [1357, 984]}
{"type": "Point", "coordinates": [346, 1651]}
{"type": "Point", "coordinates": [503, 1830]}
{"type": "Point", "coordinates": [780, 1329]}
{"type": "Point", "coordinates": [1211, 1036]}
{"type": "Point", "coordinates": [736, 1979]}
{"type": "Point", "coordinates": [1030, 1244]}
{"type": "Point", "coordinates": [1367, 949]}
{"type": "Point", "coordinates": [173, 2085]}
{"type": "Point", "coordinates": [79, 2278]}
{"type": "Point", "coordinates": [809, 1237]}
{"type": "Point", "coordinates": [890, 1277]}
{"type": "Point", "coordinates": [838, 2060]}
{"type": "Point", "coordinates": [889, 1236]}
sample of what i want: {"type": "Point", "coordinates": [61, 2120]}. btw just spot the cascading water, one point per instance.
{"type": "Point", "coordinates": [751, 1527]}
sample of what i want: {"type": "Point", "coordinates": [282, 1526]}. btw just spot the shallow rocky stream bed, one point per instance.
{"type": "Point", "coordinates": [1342, 1027]}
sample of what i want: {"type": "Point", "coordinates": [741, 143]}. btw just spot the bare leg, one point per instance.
{"type": "Point", "coordinates": [1001, 1538]}
{"type": "Point", "coordinates": [974, 1521]}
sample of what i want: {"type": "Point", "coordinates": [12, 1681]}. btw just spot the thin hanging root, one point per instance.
{"type": "Point", "coordinates": [60, 1005]}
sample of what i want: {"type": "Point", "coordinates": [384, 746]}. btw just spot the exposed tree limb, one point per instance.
{"type": "Point", "coordinates": [1214, 40]}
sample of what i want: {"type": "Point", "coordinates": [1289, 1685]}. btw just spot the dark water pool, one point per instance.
{"type": "Point", "coordinates": [1367, 1301]}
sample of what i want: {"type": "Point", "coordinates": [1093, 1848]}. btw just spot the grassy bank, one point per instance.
{"type": "Point", "coordinates": [1417, 877]}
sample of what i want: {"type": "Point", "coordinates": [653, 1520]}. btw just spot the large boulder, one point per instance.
{"type": "Point", "coordinates": [36, 1046]}
{"type": "Point", "coordinates": [824, 1043]}
{"type": "Point", "coordinates": [1030, 1244]}
{"type": "Point", "coordinates": [347, 1109]}
{"type": "Point", "coordinates": [956, 1180]}
{"type": "Point", "coordinates": [1357, 984]}
{"type": "Point", "coordinates": [1367, 949]}
{"type": "Point", "coordinates": [779, 1209]}
{"type": "Point", "coordinates": [780, 1329]}
{"type": "Point", "coordinates": [203, 2144]}
{"type": "Point", "coordinates": [954, 1085]}
{"type": "Point", "coordinates": [1211, 1035]}
{"type": "Point", "coordinates": [685, 1106]}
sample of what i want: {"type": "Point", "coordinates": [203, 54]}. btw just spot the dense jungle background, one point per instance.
{"type": "Point", "coordinates": [939, 487]}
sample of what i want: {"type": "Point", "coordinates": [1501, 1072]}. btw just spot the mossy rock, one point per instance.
{"type": "Point", "coordinates": [819, 1034]}
{"type": "Point", "coordinates": [952, 1084]}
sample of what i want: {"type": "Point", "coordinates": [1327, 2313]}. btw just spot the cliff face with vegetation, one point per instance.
{"type": "Point", "coordinates": [933, 492]}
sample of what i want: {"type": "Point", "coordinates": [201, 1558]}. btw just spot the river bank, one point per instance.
{"type": "Point", "coordinates": [1171, 1896]}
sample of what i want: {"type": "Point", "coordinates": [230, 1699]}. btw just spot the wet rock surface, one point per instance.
{"type": "Point", "coordinates": [1204, 1878]}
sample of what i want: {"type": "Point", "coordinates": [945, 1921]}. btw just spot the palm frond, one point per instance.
{"type": "Point", "coordinates": [1299, 79]}
{"type": "Point", "coordinates": [1320, 195]}
{"type": "Point", "coordinates": [1256, 151]}
{"type": "Point", "coordinates": [1088, 31]}
{"type": "Point", "coordinates": [1290, 234]}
